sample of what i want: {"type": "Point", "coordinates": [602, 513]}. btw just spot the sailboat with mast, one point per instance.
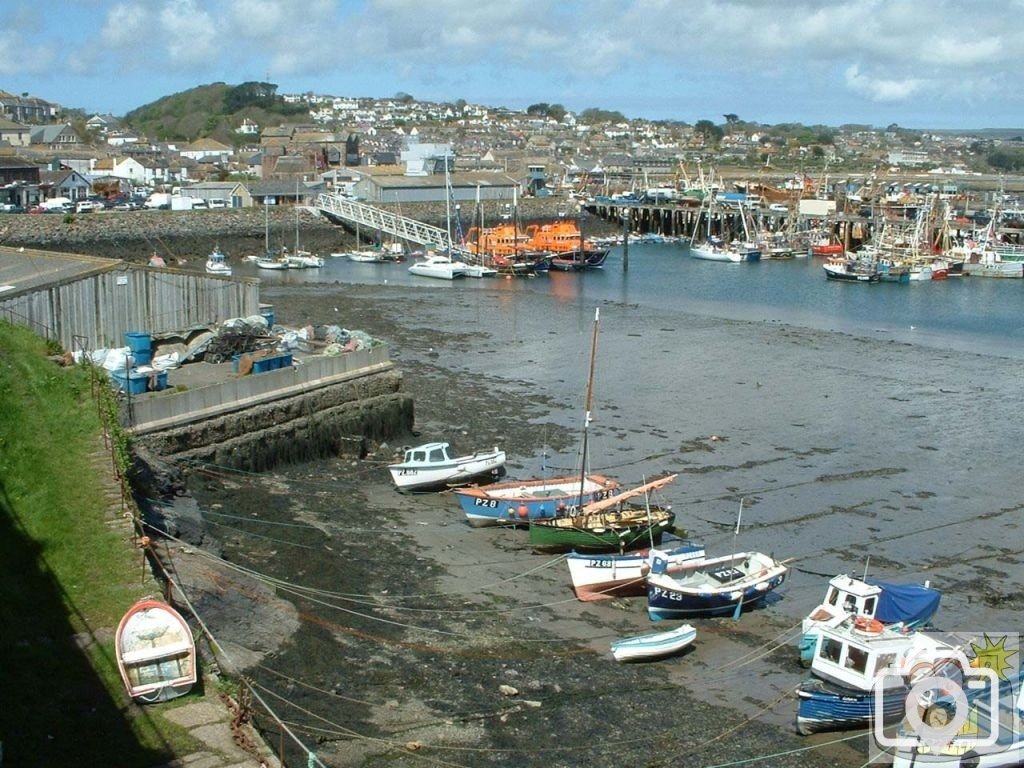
{"type": "Point", "coordinates": [269, 259]}
{"type": "Point", "coordinates": [606, 525]}
{"type": "Point", "coordinates": [301, 259]}
{"type": "Point", "coordinates": [523, 502]}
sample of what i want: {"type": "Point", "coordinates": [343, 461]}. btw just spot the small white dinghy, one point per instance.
{"type": "Point", "coordinates": [654, 645]}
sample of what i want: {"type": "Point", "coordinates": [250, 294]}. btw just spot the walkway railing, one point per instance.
{"type": "Point", "coordinates": [377, 219]}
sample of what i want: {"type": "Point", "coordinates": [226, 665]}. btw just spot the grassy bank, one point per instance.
{"type": "Point", "coordinates": [68, 571]}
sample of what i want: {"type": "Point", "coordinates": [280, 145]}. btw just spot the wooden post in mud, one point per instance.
{"type": "Point", "coordinates": [625, 239]}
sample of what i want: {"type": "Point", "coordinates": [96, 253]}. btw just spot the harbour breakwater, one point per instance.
{"type": "Point", "coordinates": [181, 235]}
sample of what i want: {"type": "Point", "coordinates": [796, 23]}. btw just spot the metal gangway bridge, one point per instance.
{"type": "Point", "coordinates": [377, 219]}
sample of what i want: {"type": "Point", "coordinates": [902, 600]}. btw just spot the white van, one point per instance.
{"type": "Point", "coordinates": [217, 202]}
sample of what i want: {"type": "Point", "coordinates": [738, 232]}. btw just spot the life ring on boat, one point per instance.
{"type": "Point", "coordinates": [867, 625]}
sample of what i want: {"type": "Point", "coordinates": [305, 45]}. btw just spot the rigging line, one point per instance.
{"type": "Point", "coordinates": [357, 735]}
{"type": "Point", "coordinates": [491, 750]}
{"type": "Point", "coordinates": [786, 633]}
{"type": "Point", "coordinates": [369, 617]}
{"type": "Point", "coordinates": [795, 751]}
{"type": "Point", "coordinates": [262, 522]}
{"type": "Point", "coordinates": [217, 645]}
{"type": "Point", "coordinates": [309, 592]}
{"type": "Point", "coordinates": [264, 538]}
{"type": "Point", "coordinates": [733, 729]}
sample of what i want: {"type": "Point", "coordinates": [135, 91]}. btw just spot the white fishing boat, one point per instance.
{"type": "Point", "coordinates": [156, 653]}
{"type": "Point", "coordinates": [653, 645]}
{"type": "Point", "coordinates": [432, 466]}
{"type": "Point", "coordinates": [909, 605]}
{"type": "Point", "coordinates": [216, 263]}
{"type": "Point", "coordinates": [600, 577]}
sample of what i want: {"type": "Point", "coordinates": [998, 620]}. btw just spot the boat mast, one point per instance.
{"type": "Point", "coordinates": [588, 403]}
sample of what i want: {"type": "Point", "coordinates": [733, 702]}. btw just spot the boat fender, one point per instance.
{"type": "Point", "coordinates": [867, 624]}
{"type": "Point", "coordinates": [523, 511]}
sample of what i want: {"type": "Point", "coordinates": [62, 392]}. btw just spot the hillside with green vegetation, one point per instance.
{"type": "Point", "coordinates": [212, 111]}
{"type": "Point", "coordinates": [68, 571]}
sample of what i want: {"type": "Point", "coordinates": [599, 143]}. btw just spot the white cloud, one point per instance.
{"type": "Point", "coordinates": [30, 59]}
{"type": "Point", "coordinates": [126, 27]}
{"type": "Point", "coordinates": [190, 36]}
{"type": "Point", "coordinates": [880, 89]}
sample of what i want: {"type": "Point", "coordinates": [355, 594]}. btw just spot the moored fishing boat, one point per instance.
{"type": "Point", "coordinates": [216, 263]}
{"type": "Point", "coordinates": [909, 605]}
{"type": "Point", "coordinates": [519, 501]}
{"type": "Point", "coordinates": [860, 667]}
{"type": "Point", "coordinates": [608, 525]}
{"type": "Point", "coordinates": [849, 270]}
{"type": "Point", "coordinates": [432, 466]}
{"type": "Point", "coordinates": [564, 241]}
{"type": "Point", "coordinates": [155, 652]}
{"type": "Point", "coordinates": [712, 587]}
{"type": "Point", "coordinates": [653, 645]}
{"type": "Point", "coordinates": [599, 577]}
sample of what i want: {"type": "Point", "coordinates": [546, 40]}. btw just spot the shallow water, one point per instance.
{"type": "Point", "coordinates": [978, 314]}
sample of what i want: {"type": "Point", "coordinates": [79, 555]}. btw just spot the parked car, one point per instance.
{"type": "Point", "coordinates": [86, 206]}
{"type": "Point", "coordinates": [11, 208]}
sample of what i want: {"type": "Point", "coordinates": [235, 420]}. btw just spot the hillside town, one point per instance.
{"type": "Point", "coordinates": [362, 147]}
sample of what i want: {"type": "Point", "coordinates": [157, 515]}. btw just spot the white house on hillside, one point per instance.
{"type": "Point", "coordinates": [207, 148]}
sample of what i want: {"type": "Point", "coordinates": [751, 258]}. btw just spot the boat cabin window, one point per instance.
{"type": "Point", "coordinates": [437, 454]}
{"type": "Point", "coordinates": [416, 456]}
{"type": "Point", "coordinates": [833, 596]}
{"type": "Point", "coordinates": [884, 661]}
{"type": "Point", "coordinates": [869, 606]}
{"type": "Point", "coordinates": [850, 604]}
{"type": "Point", "coordinates": [830, 649]}
{"type": "Point", "coordinates": [856, 659]}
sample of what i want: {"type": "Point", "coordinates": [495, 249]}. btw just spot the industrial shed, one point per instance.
{"type": "Point", "coordinates": [379, 186]}
{"type": "Point", "coordinates": [85, 302]}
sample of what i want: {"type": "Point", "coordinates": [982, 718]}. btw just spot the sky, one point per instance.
{"type": "Point", "coordinates": [919, 64]}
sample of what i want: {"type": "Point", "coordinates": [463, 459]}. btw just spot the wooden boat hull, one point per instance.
{"type": "Point", "coordinates": [653, 645]}
{"type": "Point", "coordinates": [518, 502]}
{"type": "Point", "coordinates": [715, 588]}
{"type": "Point", "coordinates": [603, 532]}
{"type": "Point", "coordinates": [155, 652]}
{"type": "Point", "coordinates": [827, 707]}
{"type": "Point", "coordinates": [599, 577]}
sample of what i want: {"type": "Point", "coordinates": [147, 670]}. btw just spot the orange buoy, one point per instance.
{"type": "Point", "coordinates": [867, 624]}
{"type": "Point", "coordinates": [523, 511]}
{"type": "Point", "coordinates": [144, 541]}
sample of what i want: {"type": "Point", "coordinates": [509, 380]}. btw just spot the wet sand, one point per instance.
{"type": "Point", "coordinates": [842, 449]}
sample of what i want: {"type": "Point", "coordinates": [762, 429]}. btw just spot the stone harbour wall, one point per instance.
{"type": "Point", "coordinates": [343, 419]}
{"type": "Point", "coordinates": [136, 235]}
